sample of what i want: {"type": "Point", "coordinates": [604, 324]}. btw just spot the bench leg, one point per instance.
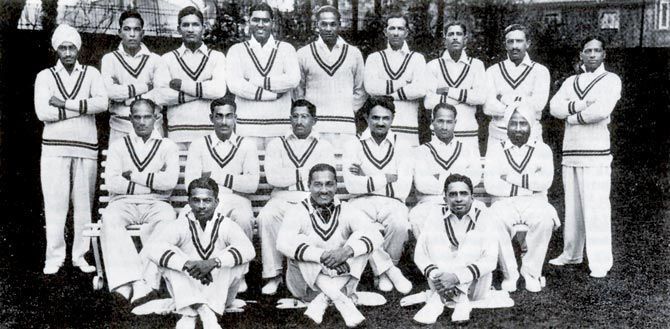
{"type": "Point", "coordinates": [98, 280]}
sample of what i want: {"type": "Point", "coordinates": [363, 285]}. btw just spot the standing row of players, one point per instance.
{"type": "Point", "coordinates": [327, 75]}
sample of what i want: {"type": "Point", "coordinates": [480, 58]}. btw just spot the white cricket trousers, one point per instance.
{"type": "Point", "coordinates": [540, 217]}
{"type": "Point", "coordinates": [240, 211]}
{"type": "Point", "coordinates": [270, 219]}
{"type": "Point", "coordinates": [588, 216]}
{"type": "Point", "coordinates": [123, 263]}
{"type": "Point", "coordinates": [393, 216]}
{"type": "Point", "coordinates": [63, 177]}
{"type": "Point", "coordinates": [422, 211]}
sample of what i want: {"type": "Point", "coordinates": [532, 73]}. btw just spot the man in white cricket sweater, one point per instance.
{"type": "Point", "coordinates": [129, 74]}
{"type": "Point", "coordinates": [287, 163]}
{"type": "Point", "coordinates": [459, 80]}
{"type": "Point", "coordinates": [67, 96]}
{"type": "Point", "coordinates": [517, 174]}
{"type": "Point", "coordinates": [261, 73]}
{"type": "Point", "coordinates": [142, 169]}
{"type": "Point", "coordinates": [398, 72]}
{"type": "Point", "coordinates": [203, 256]}
{"type": "Point", "coordinates": [328, 244]}
{"type": "Point", "coordinates": [230, 160]}
{"type": "Point", "coordinates": [586, 101]}
{"type": "Point", "coordinates": [436, 160]}
{"type": "Point", "coordinates": [515, 79]}
{"type": "Point", "coordinates": [332, 78]}
{"type": "Point", "coordinates": [193, 76]}
{"type": "Point", "coordinates": [457, 252]}
{"type": "Point", "coordinates": [377, 170]}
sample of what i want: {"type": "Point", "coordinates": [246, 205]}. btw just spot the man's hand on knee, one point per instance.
{"type": "Point", "coordinates": [333, 258]}
{"type": "Point", "coordinates": [200, 269]}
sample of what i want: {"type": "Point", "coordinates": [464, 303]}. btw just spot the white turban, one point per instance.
{"type": "Point", "coordinates": [65, 33]}
{"type": "Point", "coordinates": [523, 109]}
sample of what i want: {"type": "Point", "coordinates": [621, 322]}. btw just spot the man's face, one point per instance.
{"type": "Point", "coordinates": [131, 32]}
{"type": "Point", "coordinates": [443, 124]}
{"type": "Point", "coordinates": [593, 55]}
{"type": "Point", "coordinates": [518, 129]}
{"type": "Point", "coordinates": [329, 27]}
{"type": "Point", "coordinates": [459, 198]}
{"type": "Point", "coordinates": [396, 32]}
{"type": "Point", "coordinates": [203, 203]}
{"type": "Point", "coordinates": [260, 25]}
{"type": "Point", "coordinates": [223, 117]}
{"type": "Point", "coordinates": [455, 38]}
{"type": "Point", "coordinates": [143, 118]}
{"type": "Point", "coordinates": [379, 120]}
{"type": "Point", "coordinates": [301, 121]}
{"type": "Point", "coordinates": [322, 187]}
{"type": "Point", "coordinates": [191, 29]}
{"type": "Point", "coordinates": [67, 53]}
{"type": "Point", "coordinates": [516, 45]}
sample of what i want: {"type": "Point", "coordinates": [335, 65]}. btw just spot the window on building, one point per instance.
{"type": "Point", "coordinates": [663, 14]}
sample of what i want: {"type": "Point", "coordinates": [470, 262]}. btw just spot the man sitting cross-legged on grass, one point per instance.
{"type": "Point", "coordinates": [328, 244]}
{"type": "Point", "coordinates": [203, 256]}
{"type": "Point", "coordinates": [457, 251]}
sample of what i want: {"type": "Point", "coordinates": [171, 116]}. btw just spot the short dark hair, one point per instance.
{"type": "Point", "coordinates": [204, 183]}
{"type": "Point", "coordinates": [590, 38]}
{"type": "Point", "coordinates": [456, 23]}
{"type": "Point", "coordinates": [458, 178]}
{"type": "Point", "coordinates": [396, 13]}
{"type": "Point", "coordinates": [132, 13]}
{"type": "Point", "coordinates": [383, 101]}
{"type": "Point", "coordinates": [517, 27]}
{"type": "Point", "coordinates": [321, 167]}
{"type": "Point", "coordinates": [190, 10]}
{"type": "Point", "coordinates": [443, 106]}
{"type": "Point", "coordinates": [146, 101]}
{"type": "Point", "coordinates": [261, 7]}
{"type": "Point", "coordinates": [225, 100]}
{"type": "Point", "coordinates": [328, 9]}
{"type": "Point", "coordinates": [304, 103]}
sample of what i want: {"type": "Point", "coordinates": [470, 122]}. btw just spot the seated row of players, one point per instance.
{"type": "Point", "coordinates": [377, 167]}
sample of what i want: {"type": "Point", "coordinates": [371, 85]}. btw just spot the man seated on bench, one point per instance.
{"type": "Point", "coordinates": [457, 252]}
{"type": "Point", "coordinates": [287, 163]}
{"type": "Point", "coordinates": [438, 159]}
{"type": "Point", "coordinates": [377, 169]}
{"type": "Point", "coordinates": [142, 169]}
{"type": "Point", "coordinates": [328, 244]}
{"type": "Point", "coordinates": [203, 256]}
{"type": "Point", "coordinates": [517, 174]}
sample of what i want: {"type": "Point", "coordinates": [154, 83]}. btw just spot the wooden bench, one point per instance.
{"type": "Point", "coordinates": [179, 199]}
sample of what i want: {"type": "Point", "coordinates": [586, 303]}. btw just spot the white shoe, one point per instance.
{"type": "Point", "coordinates": [208, 318]}
{"type": "Point", "coordinates": [399, 281]}
{"type": "Point", "coordinates": [368, 298]}
{"type": "Point", "coordinates": [597, 274]}
{"type": "Point", "coordinates": [560, 261]}
{"type": "Point", "coordinates": [509, 284]}
{"type": "Point", "coordinates": [156, 306]}
{"type": "Point", "coordinates": [140, 289]}
{"type": "Point", "coordinates": [50, 269]}
{"type": "Point", "coordinates": [242, 288]}
{"type": "Point", "coordinates": [351, 315]}
{"type": "Point", "coordinates": [186, 322]}
{"type": "Point", "coordinates": [271, 287]}
{"type": "Point", "coordinates": [461, 311]}
{"type": "Point", "coordinates": [383, 283]}
{"type": "Point", "coordinates": [84, 266]}
{"type": "Point", "coordinates": [317, 308]}
{"type": "Point", "coordinates": [532, 284]}
{"type": "Point", "coordinates": [429, 313]}
{"type": "Point", "coordinates": [419, 297]}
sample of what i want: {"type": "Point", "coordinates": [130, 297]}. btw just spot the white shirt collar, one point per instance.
{"type": "Point", "coordinates": [268, 45]}
{"type": "Point", "coordinates": [598, 70]}
{"type": "Point", "coordinates": [77, 67]}
{"type": "Point", "coordinates": [526, 60]}
{"type": "Point", "coordinates": [404, 50]}
{"type": "Point", "coordinates": [471, 215]}
{"type": "Point", "coordinates": [439, 142]}
{"type": "Point", "coordinates": [464, 56]}
{"type": "Point", "coordinates": [202, 49]}
{"type": "Point", "coordinates": [338, 44]}
{"type": "Point", "coordinates": [390, 136]}
{"type": "Point", "coordinates": [143, 50]}
{"type": "Point", "coordinates": [509, 145]}
{"type": "Point", "coordinates": [216, 140]}
{"type": "Point", "coordinates": [308, 200]}
{"type": "Point", "coordinates": [312, 135]}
